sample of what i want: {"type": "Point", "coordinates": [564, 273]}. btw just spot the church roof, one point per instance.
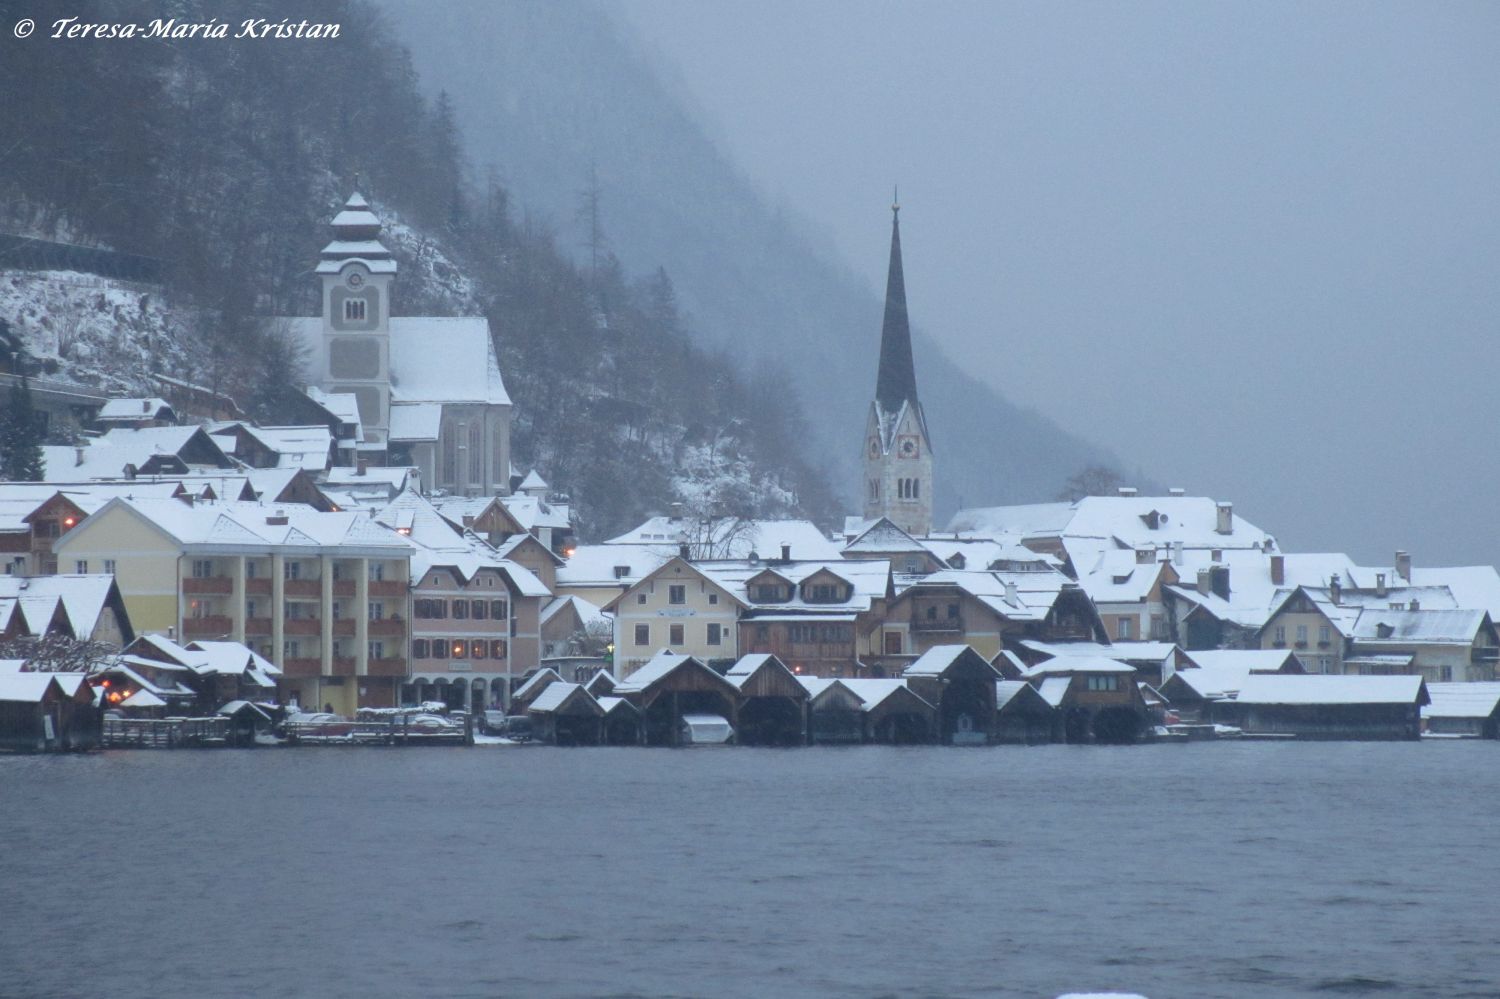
{"type": "Point", "coordinates": [896, 382]}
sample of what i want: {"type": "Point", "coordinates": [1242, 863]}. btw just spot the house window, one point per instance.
{"type": "Point", "coordinates": [498, 610]}
{"type": "Point", "coordinates": [1279, 634]}
{"type": "Point", "coordinates": [419, 648]}
{"type": "Point", "coordinates": [293, 611]}
{"type": "Point", "coordinates": [439, 648]}
{"type": "Point", "coordinates": [1104, 683]}
{"type": "Point", "coordinates": [203, 568]}
{"type": "Point", "coordinates": [251, 571]}
{"type": "Point", "coordinates": [81, 566]}
{"type": "Point", "coordinates": [354, 310]}
{"type": "Point", "coordinates": [913, 566]}
{"type": "Point", "coordinates": [640, 598]}
{"type": "Point", "coordinates": [376, 572]}
{"type": "Point", "coordinates": [1122, 629]}
{"type": "Point", "coordinates": [893, 643]}
{"type": "Point", "coordinates": [460, 610]}
{"type": "Point", "coordinates": [677, 594]}
{"type": "Point", "coordinates": [250, 607]}
{"type": "Point", "coordinates": [1447, 673]}
{"type": "Point", "coordinates": [1302, 634]}
{"type": "Point", "coordinates": [824, 593]}
{"type": "Point", "coordinates": [459, 648]}
{"type": "Point", "coordinates": [477, 648]}
{"type": "Point", "coordinates": [643, 634]}
{"type": "Point", "coordinates": [429, 609]}
{"type": "Point", "coordinates": [449, 472]}
{"type": "Point", "coordinates": [377, 650]}
{"type": "Point", "coordinates": [377, 610]}
{"type": "Point", "coordinates": [498, 649]}
{"type": "Point", "coordinates": [674, 634]}
{"type": "Point", "coordinates": [1158, 627]}
{"type": "Point", "coordinates": [714, 634]}
{"type": "Point", "coordinates": [291, 570]}
{"type": "Point", "coordinates": [713, 599]}
{"type": "Point", "coordinates": [1325, 634]}
{"type": "Point", "coordinates": [291, 648]}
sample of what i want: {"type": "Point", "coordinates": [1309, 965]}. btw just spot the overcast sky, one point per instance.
{"type": "Point", "coordinates": [1250, 248]}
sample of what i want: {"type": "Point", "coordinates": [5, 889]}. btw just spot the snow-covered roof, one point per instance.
{"type": "Point", "coordinates": [231, 659]}
{"type": "Point", "coordinates": [1071, 665]}
{"type": "Point", "coordinates": [611, 565]}
{"type": "Point", "coordinates": [556, 695]}
{"type": "Point", "coordinates": [533, 481]}
{"type": "Point", "coordinates": [656, 668]}
{"type": "Point", "coordinates": [82, 599]}
{"type": "Point", "coordinates": [540, 679]}
{"type": "Point", "coordinates": [587, 613]}
{"type": "Point", "coordinates": [1035, 592]}
{"type": "Point", "coordinates": [1375, 626]}
{"type": "Point", "coordinates": [883, 537]}
{"type": "Point", "coordinates": [133, 409]}
{"type": "Point", "coordinates": [937, 660]}
{"type": "Point", "coordinates": [1462, 700]}
{"type": "Point", "coordinates": [1154, 652]}
{"type": "Point", "coordinates": [746, 665]}
{"type": "Point", "coordinates": [868, 581]}
{"type": "Point", "coordinates": [416, 421]}
{"type": "Point", "coordinates": [734, 538]}
{"type": "Point", "coordinates": [309, 448]}
{"type": "Point", "coordinates": [27, 688]}
{"type": "Point", "coordinates": [437, 543]}
{"type": "Point", "coordinates": [532, 512]}
{"type": "Point", "coordinates": [231, 526]}
{"type": "Point", "coordinates": [875, 692]}
{"type": "Point", "coordinates": [1326, 689]}
{"type": "Point", "coordinates": [106, 457]}
{"type": "Point", "coordinates": [1054, 688]}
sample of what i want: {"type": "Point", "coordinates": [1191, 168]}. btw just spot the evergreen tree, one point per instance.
{"type": "Point", "coordinates": [20, 436]}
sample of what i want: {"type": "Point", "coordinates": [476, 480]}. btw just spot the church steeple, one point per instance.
{"type": "Point", "coordinates": [898, 452]}
{"type": "Point", "coordinates": [897, 380]}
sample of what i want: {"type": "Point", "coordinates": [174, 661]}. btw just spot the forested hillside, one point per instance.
{"type": "Point", "coordinates": [553, 94]}
{"type": "Point", "coordinates": [225, 160]}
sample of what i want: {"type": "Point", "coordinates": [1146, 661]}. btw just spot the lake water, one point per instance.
{"type": "Point", "coordinates": [1232, 869]}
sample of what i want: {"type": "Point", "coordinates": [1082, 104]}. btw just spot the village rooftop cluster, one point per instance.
{"type": "Point", "coordinates": [377, 568]}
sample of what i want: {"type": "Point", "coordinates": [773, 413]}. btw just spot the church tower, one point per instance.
{"type": "Point", "coordinates": [357, 272]}
{"type": "Point", "coordinates": [898, 452]}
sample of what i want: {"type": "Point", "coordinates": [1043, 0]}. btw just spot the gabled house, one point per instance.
{"type": "Point", "coordinates": [677, 606]}
{"type": "Point", "coordinates": [1096, 699]}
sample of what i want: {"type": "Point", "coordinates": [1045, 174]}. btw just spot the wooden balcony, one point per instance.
{"type": "Point", "coordinates": [343, 587]}
{"type": "Point", "coordinates": [258, 626]}
{"type": "Point", "coordinates": [258, 587]}
{"type": "Point", "coordinates": [387, 627]}
{"type": "Point", "coordinates": [942, 624]}
{"type": "Point", "coordinates": [387, 587]}
{"type": "Point", "coordinates": [303, 588]}
{"type": "Point", "coordinates": [302, 626]}
{"type": "Point", "coordinates": [342, 666]}
{"type": "Point", "coordinates": [386, 667]}
{"type": "Point", "coordinates": [343, 627]}
{"type": "Point", "coordinates": [206, 627]}
{"type": "Point", "coordinates": [301, 667]}
{"type": "Point", "coordinates": [222, 585]}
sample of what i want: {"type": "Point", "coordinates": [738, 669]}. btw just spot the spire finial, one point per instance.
{"type": "Point", "coordinates": [895, 200]}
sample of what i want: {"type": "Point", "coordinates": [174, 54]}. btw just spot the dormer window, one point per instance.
{"type": "Point", "coordinates": [768, 593]}
{"type": "Point", "coordinates": [354, 310]}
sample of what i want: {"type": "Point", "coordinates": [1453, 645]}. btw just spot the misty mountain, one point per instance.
{"type": "Point", "coordinates": [552, 94]}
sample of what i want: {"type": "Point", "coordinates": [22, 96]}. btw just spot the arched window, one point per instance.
{"type": "Point", "coordinates": [476, 453]}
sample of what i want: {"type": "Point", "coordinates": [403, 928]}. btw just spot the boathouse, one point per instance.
{"type": "Point", "coordinates": [1463, 710]}
{"type": "Point", "coordinates": [1022, 715]}
{"type": "Point", "coordinates": [773, 707]}
{"type": "Point", "coordinates": [566, 714]}
{"type": "Point", "coordinates": [894, 713]}
{"type": "Point", "coordinates": [836, 713]}
{"type": "Point", "coordinates": [1328, 706]}
{"type": "Point", "coordinates": [961, 683]}
{"type": "Point", "coordinates": [1096, 699]}
{"type": "Point", "coordinates": [670, 687]}
{"type": "Point", "coordinates": [46, 711]}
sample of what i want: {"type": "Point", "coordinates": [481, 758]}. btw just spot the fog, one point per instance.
{"type": "Point", "coordinates": [1250, 249]}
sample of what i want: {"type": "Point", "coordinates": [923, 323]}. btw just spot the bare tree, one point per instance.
{"type": "Point", "coordinates": [1092, 480]}
{"type": "Point", "coordinates": [59, 653]}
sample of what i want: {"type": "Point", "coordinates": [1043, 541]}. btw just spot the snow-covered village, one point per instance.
{"type": "Point", "coordinates": [635, 498]}
{"type": "Point", "coordinates": [373, 566]}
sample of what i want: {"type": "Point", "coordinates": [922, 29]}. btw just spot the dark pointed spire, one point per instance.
{"type": "Point", "coordinates": [897, 381]}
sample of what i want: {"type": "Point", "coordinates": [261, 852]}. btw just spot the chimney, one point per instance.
{"type": "Point", "coordinates": [1205, 581]}
{"type": "Point", "coordinates": [1012, 597]}
{"type": "Point", "coordinates": [1177, 553]}
{"type": "Point", "coordinates": [1220, 580]}
{"type": "Point", "coordinates": [1225, 523]}
{"type": "Point", "coordinates": [1127, 490]}
{"type": "Point", "coordinates": [676, 511]}
{"type": "Point", "coordinates": [145, 405]}
{"type": "Point", "coordinates": [78, 455]}
{"type": "Point", "coordinates": [786, 553]}
{"type": "Point", "coordinates": [1216, 555]}
{"type": "Point", "coordinates": [1335, 588]}
{"type": "Point", "coordinates": [279, 518]}
{"type": "Point", "coordinates": [362, 466]}
{"type": "Point", "coordinates": [1176, 491]}
{"type": "Point", "coordinates": [1416, 604]}
{"type": "Point", "coordinates": [684, 552]}
{"type": "Point", "coordinates": [1278, 570]}
{"type": "Point", "coordinates": [1403, 566]}
{"type": "Point", "coordinates": [1380, 584]}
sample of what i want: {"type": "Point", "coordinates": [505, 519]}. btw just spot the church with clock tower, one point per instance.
{"type": "Point", "coordinates": [898, 451]}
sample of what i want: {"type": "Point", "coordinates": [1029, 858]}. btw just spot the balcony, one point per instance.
{"type": "Point", "coordinates": [303, 588]}
{"type": "Point", "coordinates": [343, 587]}
{"type": "Point", "coordinates": [1301, 644]}
{"type": "Point", "coordinates": [301, 667]}
{"type": "Point", "coordinates": [343, 627]}
{"type": "Point", "coordinates": [386, 667]}
{"type": "Point", "coordinates": [945, 624]}
{"type": "Point", "coordinates": [221, 585]}
{"type": "Point", "coordinates": [387, 587]}
{"type": "Point", "coordinates": [302, 626]}
{"type": "Point", "coordinates": [387, 627]}
{"type": "Point", "coordinates": [258, 587]}
{"type": "Point", "coordinates": [342, 666]}
{"type": "Point", "coordinates": [1485, 655]}
{"type": "Point", "coordinates": [258, 626]}
{"type": "Point", "coordinates": [206, 627]}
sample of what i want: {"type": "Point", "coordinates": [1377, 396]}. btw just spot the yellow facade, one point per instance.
{"type": "Point", "coordinates": [144, 561]}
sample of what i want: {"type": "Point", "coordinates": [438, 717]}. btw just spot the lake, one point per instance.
{"type": "Point", "coordinates": [1228, 869]}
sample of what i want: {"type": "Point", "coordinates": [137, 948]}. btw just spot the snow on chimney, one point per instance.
{"type": "Point", "coordinates": [1205, 581]}
{"type": "Point", "coordinates": [1278, 570]}
{"type": "Point", "coordinates": [1177, 553]}
{"type": "Point", "coordinates": [1225, 523]}
{"type": "Point", "coordinates": [1403, 566]}
{"type": "Point", "coordinates": [1127, 490]}
{"type": "Point", "coordinates": [1176, 491]}
{"type": "Point", "coordinates": [1012, 596]}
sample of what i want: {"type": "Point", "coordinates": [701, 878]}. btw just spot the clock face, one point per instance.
{"type": "Point", "coordinates": [874, 448]}
{"type": "Point", "coordinates": [355, 280]}
{"type": "Point", "coordinates": [909, 447]}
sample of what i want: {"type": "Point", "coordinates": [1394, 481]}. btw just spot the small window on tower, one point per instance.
{"type": "Point", "coordinates": [354, 310]}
